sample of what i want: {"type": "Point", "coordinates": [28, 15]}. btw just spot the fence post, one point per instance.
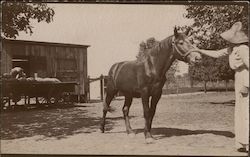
{"type": "Point", "coordinates": [101, 86]}
{"type": "Point", "coordinates": [88, 96]}
{"type": "Point", "coordinates": [78, 93]}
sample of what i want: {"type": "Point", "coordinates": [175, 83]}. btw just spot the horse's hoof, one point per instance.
{"type": "Point", "coordinates": [149, 140]}
{"type": "Point", "coordinates": [110, 109]}
{"type": "Point", "coordinates": [101, 130]}
{"type": "Point", "coordinates": [131, 135]}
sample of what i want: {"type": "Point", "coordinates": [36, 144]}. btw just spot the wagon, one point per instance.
{"type": "Point", "coordinates": [44, 92]}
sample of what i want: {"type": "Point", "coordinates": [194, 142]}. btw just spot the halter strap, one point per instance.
{"type": "Point", "coordinates": [178, 51]}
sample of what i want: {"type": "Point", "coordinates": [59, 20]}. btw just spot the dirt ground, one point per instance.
{"type": "Point", "coordinates": [188, 124]}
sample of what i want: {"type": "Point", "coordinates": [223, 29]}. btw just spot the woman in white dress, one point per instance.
{"type": "Point", "coordinates": [239, 62]}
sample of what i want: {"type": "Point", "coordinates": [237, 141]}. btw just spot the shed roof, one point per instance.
{"type": "Point", "coordinates": [45, 43]}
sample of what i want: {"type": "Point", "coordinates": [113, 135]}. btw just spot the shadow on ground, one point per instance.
{"type": "Point", "coordinates": [228, 103]}
{"type": "Point", "coordinates": [100, 101]}
{"type": "Point", "coordinates": [54, 122]}
{"type": "Point", "coordinates": [163, 132]}
{"type": "Point", "coordinates": [118, 118]}
{"type": "Point", "coordinates": [18, 108]}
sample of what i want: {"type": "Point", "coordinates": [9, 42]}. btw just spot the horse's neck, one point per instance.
{"type": "Point", "coordinates": [167, 66]}
{"type": "Point", "coordinates": [167, 57]}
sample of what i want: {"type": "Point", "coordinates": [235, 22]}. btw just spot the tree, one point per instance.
{"type": "Point", "coordinates": [224, 71]}
{"type": "Point", "coordinates": [204, 71]}
{"type": "Point", "coordinates": [145, 46]}
{"type": "Point", "coordinates": [17, 17]}
{"type": "Point", "coordinates": [209, 22]}
{"type": "Point", "coordinates": [143, 49]}
{"type": "Point", "coordinates": [170, 75]}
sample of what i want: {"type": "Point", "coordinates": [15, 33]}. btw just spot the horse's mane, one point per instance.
{"type": "Point", "coordinates": [157, 46]}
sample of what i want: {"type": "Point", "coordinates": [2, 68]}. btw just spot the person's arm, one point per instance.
{"type": "Point", "coordinates": [214, 53]}
{"type": "Point", "coordinates": [243, 52]}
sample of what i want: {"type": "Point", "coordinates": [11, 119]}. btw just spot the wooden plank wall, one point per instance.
{"type": "Point", "coordinates": [69, 64]}
{"type": "Point", "coordinates": [6, 63]}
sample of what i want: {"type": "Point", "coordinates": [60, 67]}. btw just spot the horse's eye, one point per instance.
{"type": "Point", "coordinates": [181, 42]}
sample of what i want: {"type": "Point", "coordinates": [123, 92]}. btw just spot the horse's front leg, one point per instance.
{"type": "Point", "coordinates": [145, 103]}
{"type": "Point", "coordinates": [154, 101]}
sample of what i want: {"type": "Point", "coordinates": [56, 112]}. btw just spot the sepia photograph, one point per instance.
{"type": "Point", "coordinates": [124, 78]}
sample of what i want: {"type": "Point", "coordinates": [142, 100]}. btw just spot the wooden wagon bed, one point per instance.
{"type": "Point", "coordinates": [43, 92]}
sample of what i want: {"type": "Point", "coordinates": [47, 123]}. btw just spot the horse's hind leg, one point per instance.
{"type": "Point", "coordinates": [125, 109]}
{"type": "Point", "coordinates": [106, 106]}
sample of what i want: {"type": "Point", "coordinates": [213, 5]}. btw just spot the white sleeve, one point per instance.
{"type": "Point", "coordinates": [243, 52]}
{"type": "Point", "coordinates": [215, 53]}
{"type": "Point", "coordinates": [222, 52]}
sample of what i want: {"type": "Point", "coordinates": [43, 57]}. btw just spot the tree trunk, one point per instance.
{"type": "Point", "coordinates": [101, 86]}
{"type": "Point", "coordinates": [177, 90]}
{"type": "Point", "coordinates": [205, 86]}
{"type": "Point", "coordinates": [217, 84]}
{"type": "Point", "coordinates": [88, 94]}
{"type": "Point", "coordinates": [226, 85]}
{"type": "Point", "coordinates": [191, 82]}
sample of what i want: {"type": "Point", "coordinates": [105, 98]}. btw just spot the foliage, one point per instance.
{"type": "Point", "coordinates": [144, 46]}
{"type": "Point", "coordinates": [17, 17]}
{"type": "Point", "coordinates": [170, 75]}
{"type": "Point", "coordinates": [209, 22]}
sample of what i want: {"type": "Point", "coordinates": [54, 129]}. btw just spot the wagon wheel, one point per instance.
{"type": "Point", "coordinates": [55, 99]}
{"type": "Point", "coordinates": [4, 101]}
{"type": "Point", "coordinates": [60, 100]}
{"type": "Point", "coordinates": [49, 100]}
{"type": "Point", "coordinates": [59, 96]}
{"type": "Point", "coordinates": [40, 100]}
{"type": "Point", "coordinates": [67, 98]}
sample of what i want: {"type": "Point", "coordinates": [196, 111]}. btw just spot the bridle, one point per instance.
{"type": "Point", "coordinates": [178, 51]}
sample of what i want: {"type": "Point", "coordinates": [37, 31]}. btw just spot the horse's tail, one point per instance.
{"type": "Point", "coordinates": [112, 74]}
{"type": "Point", "coordinates": [111, 87]}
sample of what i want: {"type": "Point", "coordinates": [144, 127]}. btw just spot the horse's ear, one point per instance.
{"type": "Point", "coordinates": [175, 32]}
{"type": "Point", "coordinates": [187, 31]}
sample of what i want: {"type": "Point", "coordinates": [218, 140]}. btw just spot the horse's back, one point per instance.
{"type": "Point", "coordinates": [123, 76]}
{"type": "Point", "coordinates": [121, 66]}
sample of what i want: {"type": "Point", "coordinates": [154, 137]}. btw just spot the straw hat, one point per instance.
{"type": "Point", "coordinates": [235, 34]}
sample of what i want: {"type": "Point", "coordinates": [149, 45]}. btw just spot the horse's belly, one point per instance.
{"type": "Point", "coordinates": [136, 95]}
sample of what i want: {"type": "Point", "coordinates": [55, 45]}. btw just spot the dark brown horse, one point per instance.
{"type": "Point", "coordinates": [145, 78]}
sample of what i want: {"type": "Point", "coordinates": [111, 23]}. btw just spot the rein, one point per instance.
{"type": "Point", "coordinates": [179, 52]}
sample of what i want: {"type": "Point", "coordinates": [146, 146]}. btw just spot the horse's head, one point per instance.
{"type": "Point", "coordinates": [183, 49]}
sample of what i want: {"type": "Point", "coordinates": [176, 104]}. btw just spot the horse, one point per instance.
{"type": "Point", "coordinates": [144, 78]}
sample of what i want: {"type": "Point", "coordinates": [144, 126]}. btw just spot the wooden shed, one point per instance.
{"type": "Point", "coordinates": [67, 62]}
